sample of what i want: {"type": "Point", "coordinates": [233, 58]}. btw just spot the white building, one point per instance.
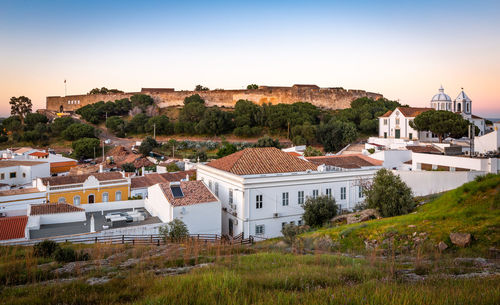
{"type": "Point", "coordinates": [22, 173]}
{"type": "Point", "coordinates": [396, 124]}
{"type": "Point", "coordinates": [139, 185]}
{"type": "Point", "coordinates": [262, 189]}
{"type": "Point", "coordinates": [15, 202]}
{"type": "Point", "coordinates": [190, 201]}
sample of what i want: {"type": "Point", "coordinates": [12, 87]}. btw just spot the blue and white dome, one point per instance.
{"type": "Point", "coordinates": [441, 96]}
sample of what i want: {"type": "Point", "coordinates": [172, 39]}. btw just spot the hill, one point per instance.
{"type": "Point", "coordinates": [473, 208]}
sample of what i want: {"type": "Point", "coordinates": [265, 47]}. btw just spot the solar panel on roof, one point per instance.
{"type": "Point", "coordinates": [177, 191]}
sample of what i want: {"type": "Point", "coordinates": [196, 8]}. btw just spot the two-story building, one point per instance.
{"type": "Point", "coordinates": [262, 189]}
{"type": "Point", "coordinates": [21, 173]}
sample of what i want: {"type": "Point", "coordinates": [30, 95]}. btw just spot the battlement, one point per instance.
{"type": "Point", "coordinates": [327, 98]}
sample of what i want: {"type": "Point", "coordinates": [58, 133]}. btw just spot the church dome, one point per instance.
{"type": "Point", "coordinates": [441, 96]}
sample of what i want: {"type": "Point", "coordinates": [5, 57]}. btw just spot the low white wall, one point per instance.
{"type": "Point", "coordinates": [113, 205]}
{"type": "Point", "coordinates": [425, 183]}
{"type": "Point", "coordinates": [392, 158]}
{"type": "Point", "coordinates": [47, 219]}
{"type": "Point", "coordinates": [202, 218]}
{"type": "Point", "coordinates": [488, 142]}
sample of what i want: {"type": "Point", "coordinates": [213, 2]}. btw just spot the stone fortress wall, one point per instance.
{"type": "Point", "coordinates": [326, 98]}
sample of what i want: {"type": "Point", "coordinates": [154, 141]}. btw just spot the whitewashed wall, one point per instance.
{"type": "Point", "coordinates": [424, 183]}
{"type": "Point", "coordinates": [157, 205]}
{"type": "Point", "coordinates": [202, 218]}
{"type": "Point", "coordinates": [47, 219]}
{"type": "Point", "coordinates": [113, 205]}
{"type": "Point", "coordinates": [488, 142]}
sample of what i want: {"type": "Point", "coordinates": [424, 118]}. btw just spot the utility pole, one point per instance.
{"type": "Point", "coordinates": [65, 87]}
{"type": "Point", "coordinates": [94, 153]}
{"type": "Point", "coordinates": [103, 152]}
{"type": "Point", "coordinates": [106, 116]}
{"type": "Point", "coordinates": [154, 131]}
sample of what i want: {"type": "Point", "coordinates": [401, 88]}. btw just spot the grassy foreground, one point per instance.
{"type": "Point", "coordinates": [266, 278]}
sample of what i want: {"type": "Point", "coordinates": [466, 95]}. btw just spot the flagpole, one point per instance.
{"type": "Point", "coordinates": [65, 88]}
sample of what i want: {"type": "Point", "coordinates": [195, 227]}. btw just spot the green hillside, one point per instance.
{"type": "Point", "coordinates": [472, 208]}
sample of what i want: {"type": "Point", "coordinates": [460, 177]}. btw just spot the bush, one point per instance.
{"type": "Point", "coordinates": [45, 248]}
{"type": "Point", "coordinates": [128, 167]}
{"type": "Point", "coordinates": [318, 211]}
{"type": "Point", "coordinates": [4, 139]}
{"type": "Point", "coordinates": [290, 232]}
{"type": "Point", "coordinates": [267, 141]}
{"type": "Point", "coordinates": [175, 230]}
{"type": "Point", "coordinates": [65, 255]}
{"type": "Point", "coordinates": [172, 167]}
{"type": "Point", "coordinates": [389, 195]}
{"type": "Point", "coordinates": [312, 152]}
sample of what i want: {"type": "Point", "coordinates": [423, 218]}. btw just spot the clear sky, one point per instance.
{"type": "Point", "coordinates": [402, 49]}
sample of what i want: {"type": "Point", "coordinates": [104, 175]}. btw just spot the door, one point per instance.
{"type": "Point", "coordinates": [398, 133]}
{"type": "Point", "coordinates": [230, 227]}
{"type": "Point", "coordinates": [91, 199]}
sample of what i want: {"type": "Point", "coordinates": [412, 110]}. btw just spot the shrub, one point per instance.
{"type": "Point", "coordinates": [172, 167]}
{"type": "Point", "coordinates": [389, 195]}
{"type": "Point", "coordinates": [65, 255]}
{"type": "Point", "coordinates": [290, 232]}
{"type": "Point", "coordinates": [175, 230]}
{"type": "Point", "coordinates": [312, 152]}
{"type": "Point", "coordinates": [45, 248]}
{"type": "Point", "coordinates": [4, 139]}
{"type": "Point", "coordinates": [371, 150]}
{"type": "Point", "coordinates": [318, 211]}
{"type": "Point", "coordinates": [128, 167]}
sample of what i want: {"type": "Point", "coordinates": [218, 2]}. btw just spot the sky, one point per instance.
{"type": "Point", "coordinates": [404, 50]}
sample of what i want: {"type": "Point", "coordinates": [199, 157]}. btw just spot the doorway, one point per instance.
{"type": "Point", "coordinates": [91, 198]}
{"type": "Point", "coordinates": [61, 109]}
{"type": "Point", "coordinates": [230, 227]}
{"type": "Point", "coordinates": [398, 133]}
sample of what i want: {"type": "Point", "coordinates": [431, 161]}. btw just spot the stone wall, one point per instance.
{"type": "Point", "coordinates": [327, 98]}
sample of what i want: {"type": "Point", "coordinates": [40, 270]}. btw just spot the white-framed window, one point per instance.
{"type": "Point", "coordinates": [360, 191]}
{"type": "Point", "coordinates": [258, 202]}
{"type": "Point", "coordinates": [61, 200]}
{"type": "Point", "coordinates": [329, 192]}
{"type": "Point", "coordinates": [385, 121]}
{"type": "Point", "coordinates": [76, 200]}
{"type": "Point", "coordinates": [315, 193]}
{"type": "Point", "coordinates": [397, 121]}
{"type": "Point", "coordinates": [105, 197]}
{"type": "Point", "coordinates": [284, 198]}
{"type": "Point", "coordinates": [216, 191]}
{"type": "Point", "coordinates": [118, 196]}
{"type": "Point", "coordinates": [210, 184]}
{"type": "Point", "coordinates": [230, 196]}
{"type": "Point", "coordinates": [259, 229]}
{"type": "Point", "coordinates": [300, 197]}
{"type": "Point", "coordinates": [343, 193]}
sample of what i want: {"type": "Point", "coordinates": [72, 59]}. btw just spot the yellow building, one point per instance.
{"type": "Point", "coordinates": [85, 189]}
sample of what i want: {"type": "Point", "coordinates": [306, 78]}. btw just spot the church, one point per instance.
{"type": "Point", "coordinates": [396, 124]}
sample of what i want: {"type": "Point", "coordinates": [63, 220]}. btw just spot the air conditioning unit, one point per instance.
{"type": "Point", "coordinates": [276, 215]}
{"type": "Point", "coordinates": [3, 214]}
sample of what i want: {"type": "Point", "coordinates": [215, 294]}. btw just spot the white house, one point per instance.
{"type": "Point", "coordinates": [262, 189]}
{"type": "Point", "coordinates": [190, 201]}
{"type": "Point", "coordinates": [22, 173]}
{"type": "Point", "coordinates": [396, 124]}
{"type": "Point", "coordinates": [15, 202]}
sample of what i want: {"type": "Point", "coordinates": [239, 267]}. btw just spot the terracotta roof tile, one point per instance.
{"type": "Point", "coordinates": [19, 191]}
{"type": "Point", "coordinates": [54, 208]}
{"type": "Point", "coordinates": [412, 111]}
{"type": "Point", "coordinates": [152, 179]}
{"type": "Point", "coordinates": [387, 114]}
{"type": "Point", "coordinates": [423, 149]}
{"type": "Point", "coordinates": [13, 227]}
{"type": "Point", "coordinates": [39, 154]}
{"type": "Point", "coordinates": [256, 161]}
{"type": "Point", "coordinates": [346, 161]}
{"type": "Point", "coordinates": [195, 192]}
{"type": "Point", "coordinates": [62, 180]}
{"type": "Point", "coordinates": [9, 163]}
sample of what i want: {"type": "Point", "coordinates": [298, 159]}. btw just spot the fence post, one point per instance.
{"type": "Point", "coordinates": [133, 241]}
{"type": "Point", "coordinates": [151, 239]}
{"type": "Point", "coordinates": [123, 239]}
{"type": "Point", "coordinates": [96, 239]}
{"type": "Point", "coordinates": [158, 242]}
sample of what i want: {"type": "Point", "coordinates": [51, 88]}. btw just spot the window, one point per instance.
{"type": "Point", "coordinates": [76, 200]}
{"type": "Point", "coordinates": [385, 121]}
{"type": "Point", "coordinates": [24, 175]}
{"type": "Point", "coordinates": [315, 193]}
{"type": "Point", "coordinates": [342, 193]}
{"type": "Point", "coordinates": [118, 196]}
{"type": "Point", "coordinates": [258, 202]}
{"type": "Point", "coordinates": [91, 198]}
{"type": "Point", "coordinates": [284, 199]}
{"type": "Point", "coordinates": [259, 229]}
{"type": "Point", "coordinates": [2, 176]}
{"type": "Point", "coordinates": [410, 135]}
{"type": "Point", "coordinates": [299, 222]}
{"type": "Point", "coordinates": [230, 196]}
{"type": "Point", "coordinates": [360, 191]}
{"type": "Point", "coordinates": [300, 196]}
{"type": "Point", "coordinates": [61, 200]}
{"type": "Point", "coordinates": [105, 197]}
{"type": "Point", "coordinates": [397, 121]}
{"type": "Point", "coordinates": [13, 175]}
{"type": "Point", "coordinates": [385, 135]}
{"type": "Point", "coordinates": [216, 191]}
{"type": "Point", "coordinates": [329, 192]}
{"type": "Point", "coordinates": [210, 185]}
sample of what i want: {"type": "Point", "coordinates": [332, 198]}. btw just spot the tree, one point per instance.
{"type": "Point", "coordinates": [138, 123]}
{"type": "Point", "coordinates": [442, 123]}
{"type": "Point", "coordinates": [117, 125]}
{"type": "Point", "coordinates": [247, 113]}
{"type": "Point", "coordinates": [172, 167]}
{"type": "Point", "coordinates": [226, 149]}
{"type": "Point", "coordinates": [290, 232]}
{"type": "Point", "coordinates": [128, 167]}
{"type": "Point", "coordinates": [33, 119]}
{"type": "Point", "coordinates": [267, 141]}
{"type": "Point", "coordinates": [312, 152]}
{"type": "Point", "coordinates": [147, 146]}
{"type": "Point", "coordinates": [20, 106]}
{"type": "Point", "coordinates": [319, 210]}
{"type": "Point", "coordinates": [60, 124]}
{"type": "Point", "coordinates": [335, 135]}
{"type": "Point", "coordinates": [12, 123]}
{"type": "Point", "coordinates": [252, 87]}
{"type": "Point", "coordinates": [78, 131]}
{"type": "Point", "coordinates": [176, 230]}
{"type": "Point", "coordinates": [214, 122]}
{"type": "Point", "coordinates": [104, 90]}
{"type": "Point", "coordinates": [84, 148]}
{"type": "Point", "coordinates": [142, 101]}
{"type": "Point", "coordinates": [193, 110]}
{"type": "Point", "coordinates": [161, 123]}
{"type": "Point", "coordinates": [389, 195]}
{"type": "Point", "coordinates": [200, 88]}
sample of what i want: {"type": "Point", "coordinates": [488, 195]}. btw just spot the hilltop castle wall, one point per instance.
{"type": "Point", "coordinates": [327, 98]}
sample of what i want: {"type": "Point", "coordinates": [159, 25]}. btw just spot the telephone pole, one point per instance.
{"type": "Point", "coordinates": [154, 131]}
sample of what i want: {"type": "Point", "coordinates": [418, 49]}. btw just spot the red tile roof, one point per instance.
{"type": "Point", "coordinates": [293, 153]}
{"type": "Point", "coordinates": [195, 192]}
{"type": "Point", "coordinates": [423, 149]}
{"type": "Point", "coordinates": [410, 112]}
{"type": "Point", "coordinates": [346, 161]}
{"type": "Point", "coordinates": [13, 227]}
{"type": "Point", "coordinates": [19, 191]}
{"type": "Point", "coordinates": [9, 163]}
{"type": "Point", "coordinates": [265, 160]}
{"type": "Point", "coordinates": [54, 208]}
{"type": "Point", "coordinates": [39, 154]}
{"type": "Point", "coordinates": [152, 179]}
{"type": "Point", "coordinates": [62, 180]}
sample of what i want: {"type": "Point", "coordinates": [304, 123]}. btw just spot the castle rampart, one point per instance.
{"type": "Point", "coordinates": [327, 98]}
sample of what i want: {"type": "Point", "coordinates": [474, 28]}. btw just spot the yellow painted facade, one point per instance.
{"type": "Point", "coordinates": [84, 194]}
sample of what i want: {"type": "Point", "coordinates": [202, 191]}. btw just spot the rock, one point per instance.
{"type": "Point", "coordinates": [97, 280]}
{"type": "Point", "coordinates": [460, 239]}
{"type": "Point", "coordinates": [356, 217]}
{"type": "Point", "coordinates": [442, 246]}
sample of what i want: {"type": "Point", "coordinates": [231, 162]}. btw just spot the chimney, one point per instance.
{"type": "Point", "coordinates": [187, 177]}
{"type": "Point", "coordinates": [101, 169]}
{"type": "Point", "coordinates": [143, 169]}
